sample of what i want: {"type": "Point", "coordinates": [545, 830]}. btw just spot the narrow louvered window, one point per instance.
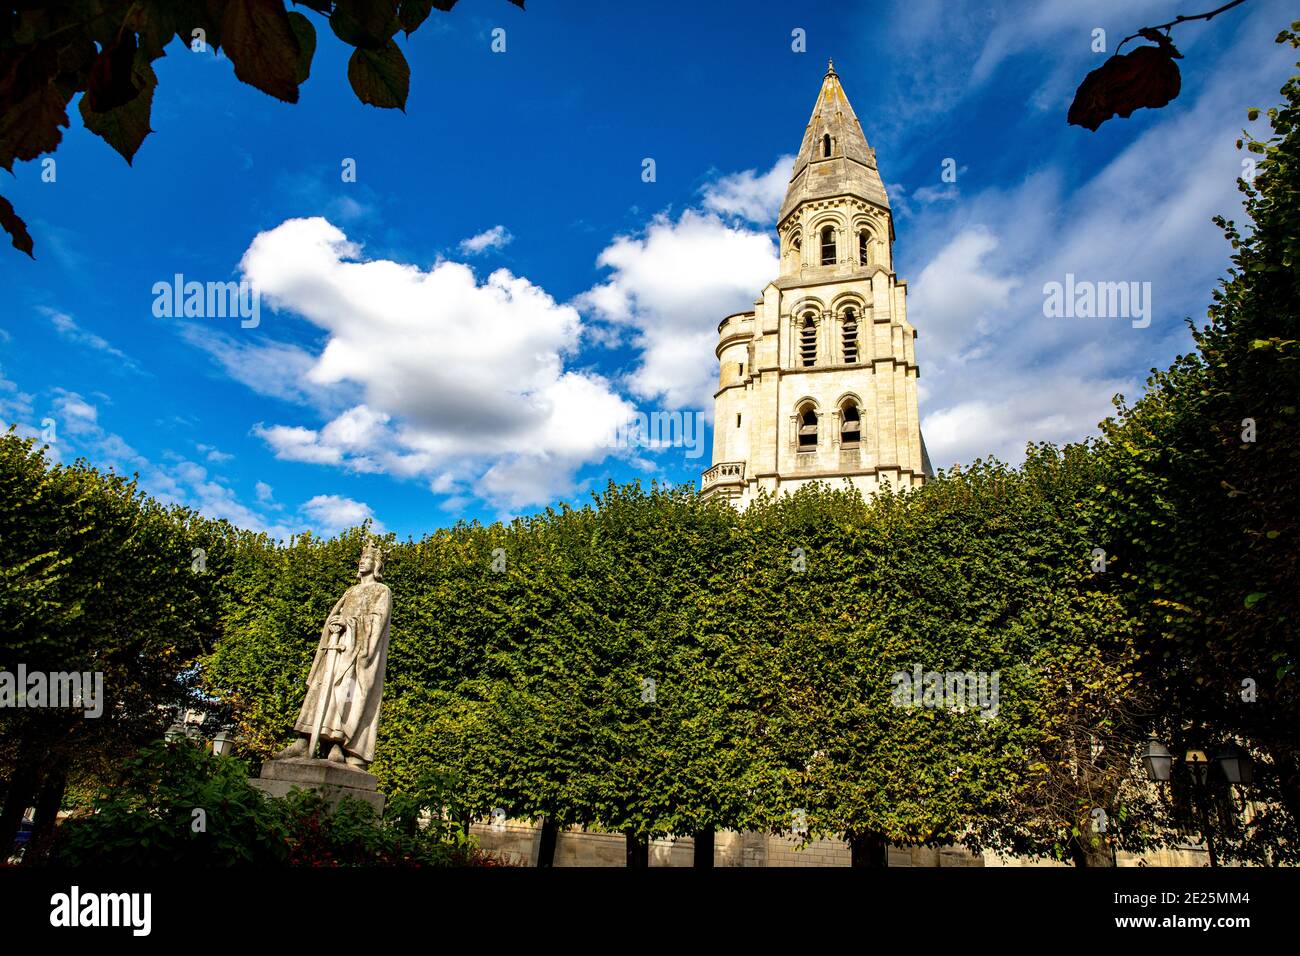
{"type": "Point", "coordinates": [850, 329]}
{"type": "Point", "coordinates": [808, 342]}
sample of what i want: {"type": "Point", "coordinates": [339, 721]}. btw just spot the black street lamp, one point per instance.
{"type": "Point", "coordinates": [1235, 767]}
{"type": "Point", "coordinates": [1158, 761]}
{"type": "Point", "coordinates": [1229, 765]}
{"type": "Point", "coordinates": [1198, 764]}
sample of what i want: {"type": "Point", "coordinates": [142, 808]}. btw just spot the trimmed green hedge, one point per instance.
{"type": "Point", "coordinates": [657, 664]}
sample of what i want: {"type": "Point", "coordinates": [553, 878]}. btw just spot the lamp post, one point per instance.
{"type": "Point", "coordinates": [1235, 766]}
{"type": "Point", "coordinates": [1228, 765]}
{"type": "Point", "coordinates": [1158, 761]}
{"type": "Point", "coordinates": [223, 742]}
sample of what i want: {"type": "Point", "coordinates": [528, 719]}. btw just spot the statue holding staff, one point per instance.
{"type": "Point", "coordinates": [344, 687]}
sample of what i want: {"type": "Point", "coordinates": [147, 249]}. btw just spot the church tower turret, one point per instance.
{"type": "Point", "coordinates": [818, 382]}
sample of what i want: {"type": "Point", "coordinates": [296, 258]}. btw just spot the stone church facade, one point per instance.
{"type": "Point", "coordinates": [818, 382]}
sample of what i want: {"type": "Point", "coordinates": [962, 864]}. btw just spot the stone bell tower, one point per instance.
{"type": "Point", "coordinates": [818, 382]}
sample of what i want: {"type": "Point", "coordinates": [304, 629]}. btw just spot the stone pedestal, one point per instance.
{"type": "Point", "coordinates": [333, 781]}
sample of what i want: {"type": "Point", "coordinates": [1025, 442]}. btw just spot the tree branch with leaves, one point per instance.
{"type": "Point", "coordinates": [1148, 77]}
{"type": "Point", "coordinates": [105, 50]}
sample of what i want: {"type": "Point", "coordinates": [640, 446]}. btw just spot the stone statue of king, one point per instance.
{"type": "Point", "coordinates": [346, 681]}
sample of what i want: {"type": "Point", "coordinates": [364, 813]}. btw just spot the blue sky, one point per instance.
{"type": "Point", "coordinates": [453, 334]}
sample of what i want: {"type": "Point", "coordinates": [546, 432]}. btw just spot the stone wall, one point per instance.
{"type": "Point", "coordinates": [518, 842]}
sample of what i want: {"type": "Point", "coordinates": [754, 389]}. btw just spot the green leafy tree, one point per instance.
{"type": "Point", "coordinates": [1199, 497]}
{"type": "Point", "coordinates": [946, 580]}
{"type": "Point", "coordinates": [99, 579]}
{"type": "Point", "coordinates": [1077, 795]}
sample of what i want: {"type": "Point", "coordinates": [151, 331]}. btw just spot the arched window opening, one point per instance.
{"type": "Point", "coordinates": [796, 247]}
{"type": "Point", "coordinates": [828, 246]}
{"type": "Point", "coordinates": [863, 247]}
{"type": "Point", "coordinates": [808, 341]}
{"type": "Point", "coordinates": [850, 425]}
{"type": "Point", "coordinates": [850, 330]}
{"type": "Point", "coordinates": [808, 429]}
{"type": "Point", "coordinates": [826, 144]}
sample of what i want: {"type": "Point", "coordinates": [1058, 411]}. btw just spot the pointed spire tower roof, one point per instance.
{"type": "Point", "coordinates": [850, 169]}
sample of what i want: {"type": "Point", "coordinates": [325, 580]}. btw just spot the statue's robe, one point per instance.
{"type": "Point", "coordinates": [352, 701]}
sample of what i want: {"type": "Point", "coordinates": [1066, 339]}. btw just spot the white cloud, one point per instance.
{"type": "Point", "coordinates": [348, 209]}
{"type": "Point", "coordinates": [671, 286]}
{"type": "Point", "coordinates": [947, 193]}
{"type": "Point", "coordinates": [443, 484]}
{"type": "Point", "coordinates": [958, 294]}
{"type": "Point", "coordinates": [495, 238]}
{"type": "Point", "coordinates": [74, 429]}
{"type": "Point", "coordinates": [296, 443]}
{"type": "Point", "coordinates": [440, 373]}
{"type": "Point", "coordinates": [270, 368]}
{"type": "Point", "coordinates": [178, 480]}
{"type": "Point", "coordinates": [1034, 408]}
{"type": "Point", "coordinates": [751, 195]}
{"type": "Point", "coordinates": [74, 414]}
{"type": "Point", "coordinates": [67, 327]}
{"type": "Point", "coordinates": [190, 484]}
{"type": "Point", "coordinates": [15, 404]}
{"type": "Point", "coordinates": [213, 454]}
{"type": "Point", "coordinates": [333, 513]}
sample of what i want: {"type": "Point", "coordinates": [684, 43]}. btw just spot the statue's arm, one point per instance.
{"type": "Point", "coordinates": [318, 661]}
{"type": "Point", "coordinates": [338, 606]}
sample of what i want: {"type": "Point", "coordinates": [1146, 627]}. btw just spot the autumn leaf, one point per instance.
{"type": "Point", "coordinates": [415, 12]}
{"type": "Point", "coordinates": [1147, 77]}
{"type": "Point", "coordinates": [32, 106]}
{"type": "Point", "coordinates": [261, 41]}
{"type": "Point", "coordinates": [125, 127]}
{"type": "Point", "coordinates": [16, 228]}
{"type": "Point", "coordinates": [112, 81]}
{"type": "Point", "coordinates": [364, 25]}
{"type": "Point", "coordinates": [306, 34]}
{"type": "Point", "coordinates": [380, 77]}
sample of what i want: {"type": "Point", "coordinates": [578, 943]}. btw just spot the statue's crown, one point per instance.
{"type": "Point", "coordinates": [377, 554]}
